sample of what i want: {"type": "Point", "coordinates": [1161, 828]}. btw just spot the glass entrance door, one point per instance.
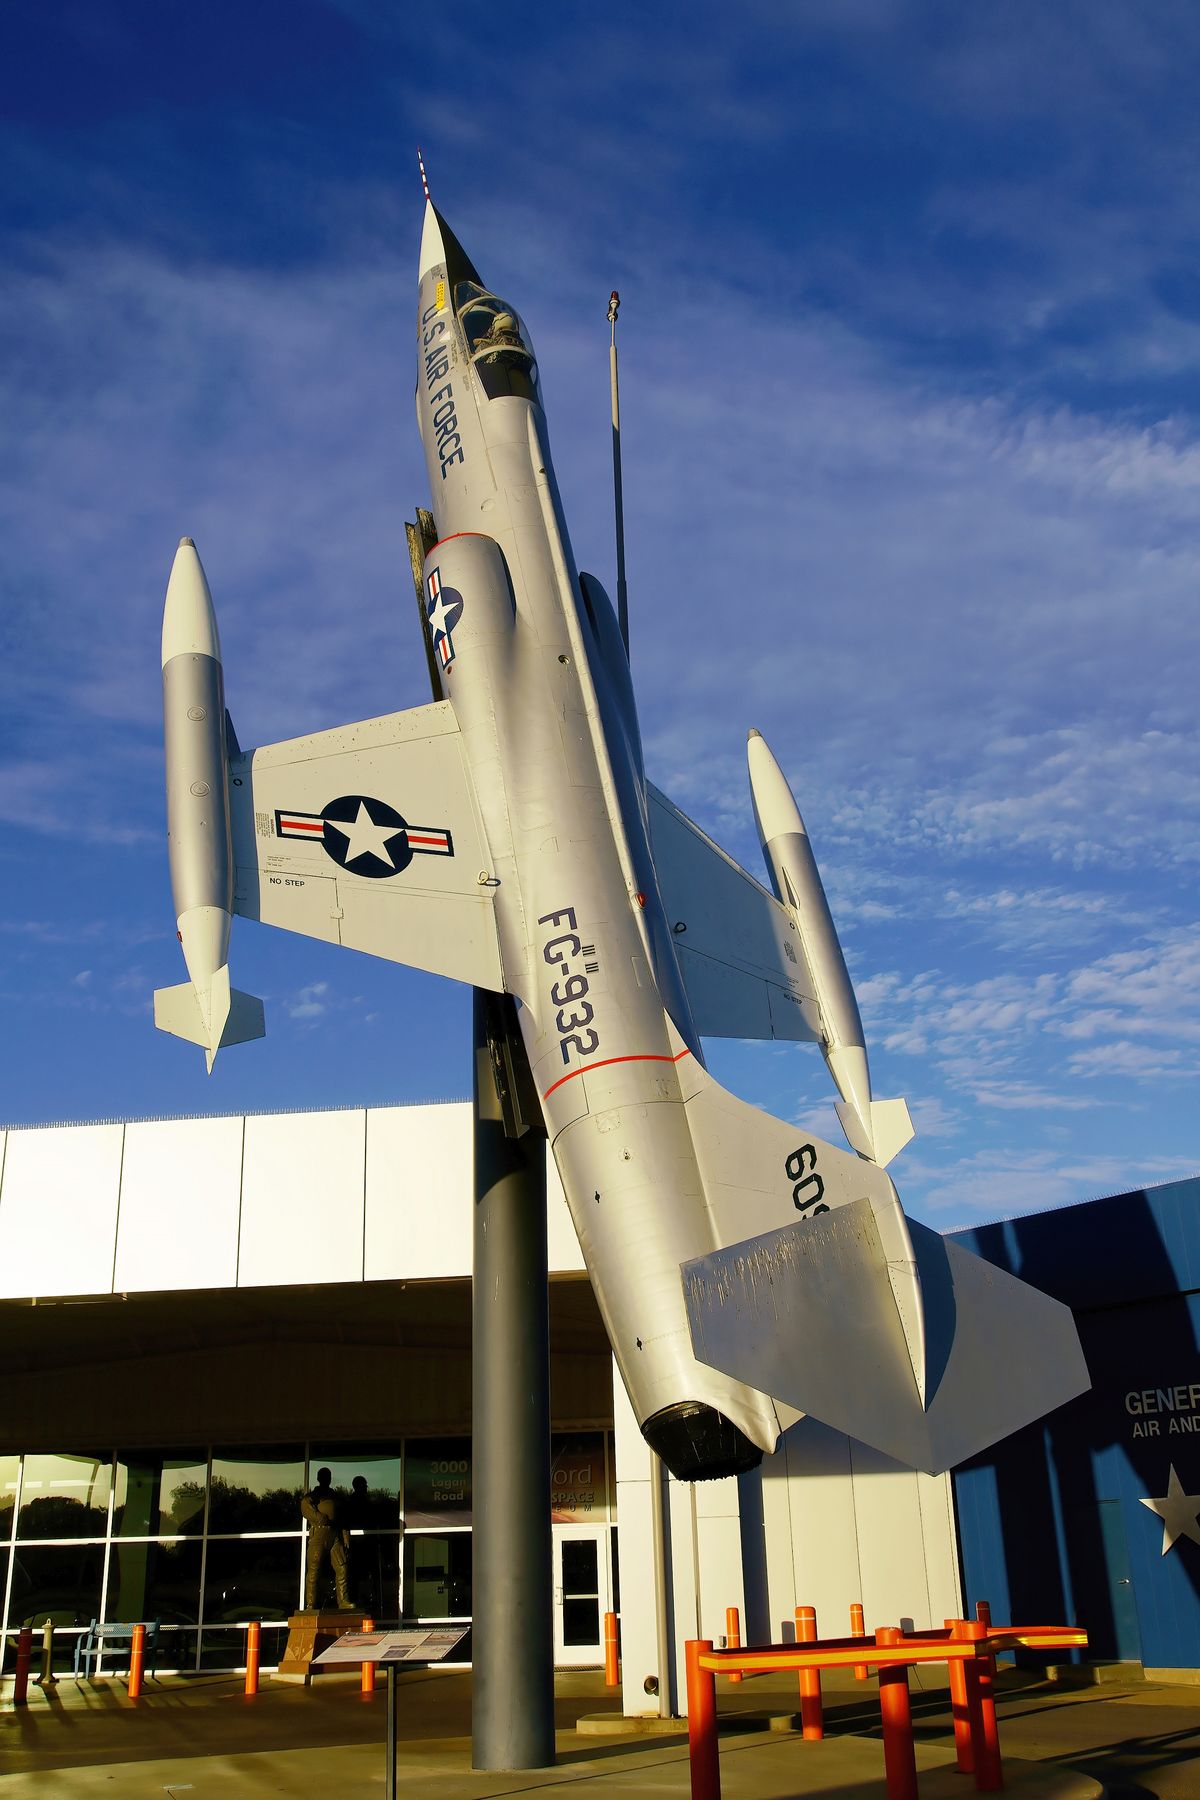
{"type": "Point", "coordinates": [582, 1590]}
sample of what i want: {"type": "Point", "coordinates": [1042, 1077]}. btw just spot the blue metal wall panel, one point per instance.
{"type": "Point", "coordinates": [1053, 1515]}
{"type": "Point", "coordinates": [981, 1541]}
{"type": "Point", "coordinates": [1135, 1246]}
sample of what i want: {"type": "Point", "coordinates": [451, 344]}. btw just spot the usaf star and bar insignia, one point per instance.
{"type": "Point", "coordinates": [365, 836]}
{"type": "Point", "coordinates": [443, 612]}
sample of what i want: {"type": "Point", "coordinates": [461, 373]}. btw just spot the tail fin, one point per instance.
{"type": "Point", "coordinates": [760, 1173]}
{"type": "Point", "coordinates": [807, 1314]}
{"type": "Point", "coordinates": [827, 1298]}
{"type": "Point", "coordinates": [212, 1017]}
{"type": "Point", "coordinates": [891, 1129]}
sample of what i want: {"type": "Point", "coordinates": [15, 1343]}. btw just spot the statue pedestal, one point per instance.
{"type": "Point", "coordinates": [308, 1634]}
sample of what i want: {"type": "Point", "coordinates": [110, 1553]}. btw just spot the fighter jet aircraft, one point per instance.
{"type": "Point", "coordinates": [506, 836]}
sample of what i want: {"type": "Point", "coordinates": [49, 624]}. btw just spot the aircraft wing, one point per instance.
{"type": "Point", "coordinates": [738, 948]}
{"type": "Point", "coordinates": [370, 836]}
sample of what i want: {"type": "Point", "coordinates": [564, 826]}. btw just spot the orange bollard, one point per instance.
{"type": "Point", "coordinates": [368, 1668]}
{"type": "Point", "coordinates": [960, 1703]}
{"type": "Point", "coordinates": [21, 1672]}
{"type": "Point", "coordinates": [137, 1659]}
{"type": "Point", "coordinates": [702, 1723]}
{"type": "Point", "coordinates": [899, 1756]}
{"type": "Point", "coordinates": [983, 1614]}
{"type": "Point", "coordinates": [253, 1640]}
{"type": "Point", "coordinates": [985, 1735]}
{"type": "Point", "coordinates": [812, 1722]}
{"type": "Point", "coordinates": [612, 1653]}
{"type": "Point", "coordinates": [858, 1628]}
{"type": "Point", "coordinates": [733, 1636]}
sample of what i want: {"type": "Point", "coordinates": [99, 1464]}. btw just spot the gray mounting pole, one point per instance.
{"type": "Point", "coordinates": [512, 1716]}
{"type": "Point", "coordinates": [662, 1619]}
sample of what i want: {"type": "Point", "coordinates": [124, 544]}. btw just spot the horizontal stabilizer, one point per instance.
{"type": "Point", "coordinates": [808, 1315]}
{"type": "Point", "coordinates": [218, 1016]}
{"type": "Point", "coordinates": [891, 1129]}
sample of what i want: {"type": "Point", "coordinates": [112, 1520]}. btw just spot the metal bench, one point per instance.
{"type": "Point", "coordinates": [101, 1635]}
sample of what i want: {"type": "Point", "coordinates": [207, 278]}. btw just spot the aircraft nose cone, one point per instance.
{"type": "Point", "coordinates": [433, 250]}
{"type": "Point", "coordinates": [441, 249]}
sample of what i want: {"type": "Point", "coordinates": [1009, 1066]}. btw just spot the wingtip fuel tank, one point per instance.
{"type": "Point", "coordinates": [205, 1009]}
{"type": "Point", "coordinates": [876, 1129]}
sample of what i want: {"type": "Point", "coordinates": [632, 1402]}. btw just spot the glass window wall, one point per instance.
{"type": "Point", "coordinates": [65, 1496]}
{"type": "Point", "coordinates": [251, 1578]}
{"type": "Point", "coordinates": [60, 1581]}
{"type": "Point", "coordinates": [256, 1489]}
{"type": "Point", "coordinates": [154, 1579]}
{"type": "Point", "coordinates": [206, 1542]}
{"type": "Point", "coordinates": [437, 1482]}
{"type": "Point", "coordinates": [10, 1475]}
{"type": "Point", "coordinates": [160, 1492]}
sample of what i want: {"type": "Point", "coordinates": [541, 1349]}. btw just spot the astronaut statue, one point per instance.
{"type": "Point", "coordinates": [328, 1545]}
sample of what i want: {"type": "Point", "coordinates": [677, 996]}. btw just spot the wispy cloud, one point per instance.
{"type": "Point", "coordinates": [311, 1002]}
{"type": "Point", "coordinates": [1010, 1179]}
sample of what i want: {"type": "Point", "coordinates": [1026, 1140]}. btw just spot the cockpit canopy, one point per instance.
{"type": "Point", "coordinates": [497, 343]}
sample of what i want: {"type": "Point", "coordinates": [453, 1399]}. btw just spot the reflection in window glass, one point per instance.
{"type": "Point", "coordinates": [256, 1489]}
{"type": "Point", "coordinates": [155, 1581]}
{"type": "Point", "coordinates": [176, 1649]}
{"type": "Point", "coordinates": [59, 1580]}
{"type": "Point", "coordinates": [437, 1575]}
{"type": "Point", "coordinates": [10, 1468]}
{"type": "Point", "coordinates": [366, 1482]}
{"type": "Point", "coordinates": [65, 1496]}
{"type": "Point", "coordinates": [159, 1491]}
{"type": "Point", "coordinates": [374, 1574]}
{"type": "Point", "coordinates": [258, 1578]}
{"type": "Point", "coordinates": [225, 1648]}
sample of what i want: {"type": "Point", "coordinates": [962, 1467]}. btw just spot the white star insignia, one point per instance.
{"type": "Point", "coordinates": [365, 838]}
{"type": "Point", "coordinates": [438, 617]}
{"type": "Point", "coordinates": [1179, 1512]}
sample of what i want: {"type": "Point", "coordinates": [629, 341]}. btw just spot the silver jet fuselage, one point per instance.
{"type": "Point", "coordinates": [734, 1255]}
{"type": "Point", "coordinates": [532, 662]}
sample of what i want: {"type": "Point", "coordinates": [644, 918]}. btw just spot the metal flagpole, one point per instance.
{"type": "Point", "coordinates": [658, 1499]}
{"type": "Point", "coordinates": [662, 1623]}
{"type": "Point", "coordinates": [614, 305]}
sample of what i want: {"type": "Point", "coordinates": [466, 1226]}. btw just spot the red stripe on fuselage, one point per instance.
{"type": "Point", "coordinates": [607, 1062]}
{"type": "Point", "coordinates": [451, 538]}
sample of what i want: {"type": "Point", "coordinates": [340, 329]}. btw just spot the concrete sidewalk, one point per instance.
{"type": "Point", "coordinates": [199, 1736]}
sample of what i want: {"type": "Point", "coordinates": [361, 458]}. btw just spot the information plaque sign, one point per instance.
{"type": "Point", "coordinates": [412, 1646]}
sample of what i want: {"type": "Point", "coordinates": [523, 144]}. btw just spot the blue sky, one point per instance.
{"type": "Point", "coordinates": [910, 340]}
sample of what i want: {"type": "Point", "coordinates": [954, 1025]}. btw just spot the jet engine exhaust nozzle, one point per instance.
{"type": "Point", "coordinates": [698, 1443]}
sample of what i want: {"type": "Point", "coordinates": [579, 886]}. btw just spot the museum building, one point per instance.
{"type": "Point", "coordinates": [198, 1314]}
